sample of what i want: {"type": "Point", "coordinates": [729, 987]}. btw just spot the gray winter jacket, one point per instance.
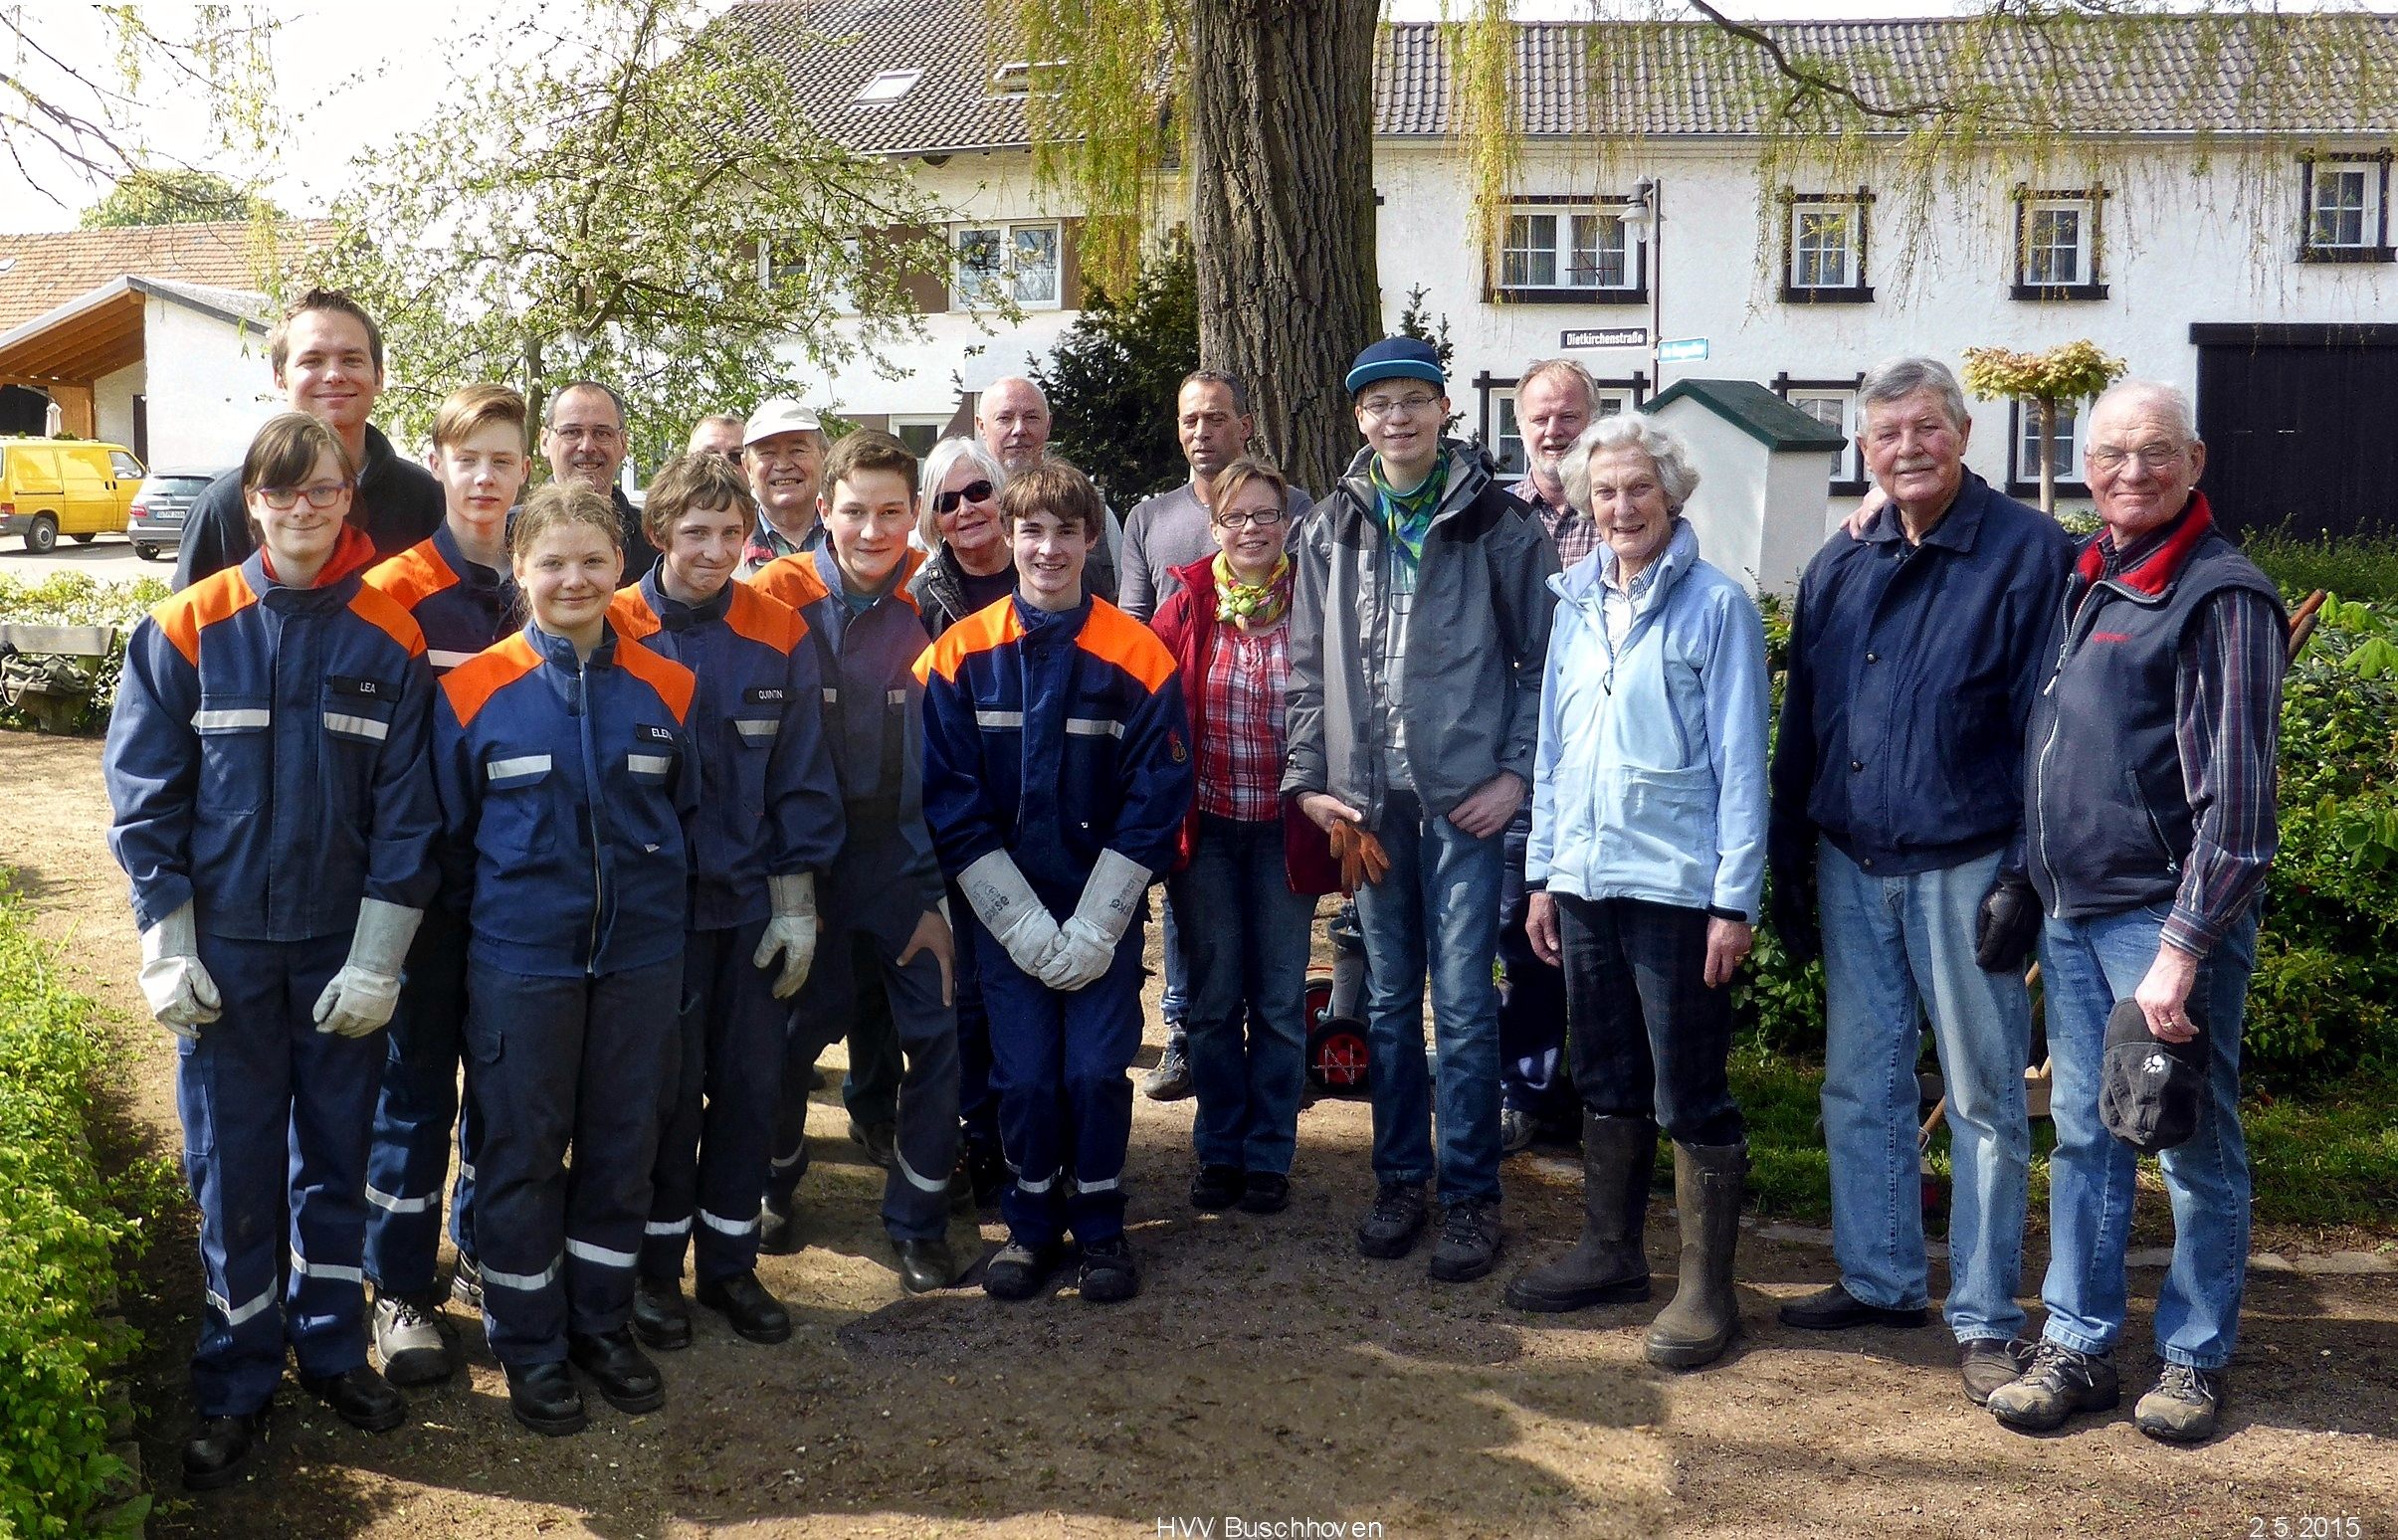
{"type": "Point", "coordinates": [1475, 640]}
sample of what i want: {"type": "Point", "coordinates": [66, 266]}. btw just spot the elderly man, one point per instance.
{"type": "Point", "coordinates": [2150, 811]}
{"type": "Point", "coordinates": [1898, 810]}
{"type": "Point", "coordinates": [1163, 533]}
{"type": "Point", "coordinates": [718, 433]}
{"type": "Point", "coordinates": [1012, 420]}
{"type": "Point", "coordinates": [583, 439]}
{"type": "Point", "coordinates": [1555, 399]}
{"type": "Point", "coordinates": [1419, 620]}
{"type": "Point", "coordinates": [782, 446]}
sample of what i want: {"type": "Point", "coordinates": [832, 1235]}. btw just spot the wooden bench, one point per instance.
{"type": "Point", "coordinates": [48, 673]}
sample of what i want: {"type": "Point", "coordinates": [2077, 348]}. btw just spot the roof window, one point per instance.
{"type": "Point", "coordinates": [888, 87]}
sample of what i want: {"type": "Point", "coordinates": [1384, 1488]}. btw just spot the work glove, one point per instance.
{"type": "Point", "coordinates": [1003, 900]}
{"type": "Point", "coordinates": [362, 996]}
{"type": "Point", "coordinates": [2007, 926]}
{"type": "Point", "coordinates": [1363, 860]}
{"type": "Point", "coordinates": [1087, 942]}
{"type": "Point", "coordinates": [182, 996]}
{"type": "Point", "coordinates": [791, 931]}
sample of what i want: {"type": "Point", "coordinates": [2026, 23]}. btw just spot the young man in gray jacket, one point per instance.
{"type": "Point", "coordinates": [1420, 618]}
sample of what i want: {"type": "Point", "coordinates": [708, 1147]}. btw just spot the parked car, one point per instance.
{"type": "Point", "coordinates": [65, 486]}
{"type": "Point", "coordinates": [156, 523]}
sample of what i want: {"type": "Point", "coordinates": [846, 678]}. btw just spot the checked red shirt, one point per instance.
{"type": "Point", "coordinates": [1241, 755]}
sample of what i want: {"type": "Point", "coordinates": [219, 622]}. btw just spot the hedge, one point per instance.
{"type": "Point", "coordinates": [60, 1235]}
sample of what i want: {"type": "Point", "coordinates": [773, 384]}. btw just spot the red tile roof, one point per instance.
{"type": "Point", "coordinates": [49, 270]}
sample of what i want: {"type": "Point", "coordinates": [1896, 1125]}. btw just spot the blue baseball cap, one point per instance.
{"type": "Point", "coordinates": [1397, 358]}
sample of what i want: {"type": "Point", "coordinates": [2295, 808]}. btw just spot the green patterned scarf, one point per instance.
{"type": "Point", "coordinates": [1256, 605]}
{"type": "Point", "coordinates": [1408, 516]}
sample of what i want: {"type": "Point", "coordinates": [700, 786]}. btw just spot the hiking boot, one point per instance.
{"type": "Point", "coordinates": [409, 1340]}
{"type": "Point", "coordinates": [1019, 1268]}
{"type": "Point", "coordinates": [219, 1449]}
{"type": "Point", "coordinates": [1608, 1265]}
{"type": "Point", "coordinates": [466, 1285]}
{"type": "Point", "coordinates": [1171, 1079]}
{"type": "Point", "coordinates": [1699, 1325]}
{"type": "Point", "coordinates": [1986, 1363]}
{"type": "Point", "coordinates": [1515, 1130]}
{"type": "Point", "coordinates": [2059, 1383]}
{"type": "Point", "coordinates": [1833, 1308]}
{"type": "Point", "coordinates": [1265, 1192]}
{"type": "Point", "coordinates": [1109, 1275]}
{"type": "Point", "coordinates": [2184, 1407]}
{"type": "Point", "coordinates": [662, 1318]}
{"type": "Point", "coordinates": [1217, 1188]}
{"type": "Point", "coordinates": [1469, 1243]}
{"type": "Point", "coordinates": [747, 1308]}
{"type": "Point", "coordinates": [1393, 1223]}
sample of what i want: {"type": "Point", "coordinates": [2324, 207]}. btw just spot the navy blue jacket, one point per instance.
{"type": "Point", "coordinates": [1053, 736]}
{"type": "Point", "coordinates": [461, 605]}
{"type": "Point", "coordinates": [566, 787]}
{"type": "Point", "coordinates": [265, 756]}
{"type": "Point", "coordinates": [768, 803]}
{"type": "Point", "coordinates": [1912, 671]}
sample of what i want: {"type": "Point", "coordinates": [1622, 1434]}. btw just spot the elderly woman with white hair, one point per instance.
{"type": "Point", "coordinates": [958, 521]}
{"type": "Point", "coordinates": [1647, 856]}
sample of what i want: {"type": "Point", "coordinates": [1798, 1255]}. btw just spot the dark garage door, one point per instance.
{"type": "Point", "coordinates": [2300, 424]}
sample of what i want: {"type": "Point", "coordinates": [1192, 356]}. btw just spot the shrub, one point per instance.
{"type": "Point", "coordinates": [58, 1233]}
{"type": "Point", "coordinates": [74, 599]}
{"type": "Point", "coordinates": [2359, 566]}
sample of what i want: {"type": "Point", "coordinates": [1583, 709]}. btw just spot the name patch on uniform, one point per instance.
{"type": "Point", "coordinates": [768, 695]}
{"type": "Point", "coordinates": [368, 690]}
{"type": "Point", "coordinates": [648, 734]}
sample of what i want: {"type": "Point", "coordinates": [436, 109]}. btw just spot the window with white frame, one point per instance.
{"type": "Point", "coordinates": [2348, 210]}
{"type": "Point", "coordinates": [1825, 247]}
{"type": "Point", "coordinates": [1833, 406]}
{"type": "Point", "coordinates": [920, 434]}
{"type": "Point", "coordinates": [1570, 252]}
{"type": "Point", "coordinates": [886, 86]}
{"type": "Point", "coordinates": [2056, 242]}
{"type": "Point", "coordinates": [1000, 261]}
{"type": "Point", "coordinates": [2065, 446]}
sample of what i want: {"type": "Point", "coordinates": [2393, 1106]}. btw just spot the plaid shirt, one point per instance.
{"type": "Point", "coordinates": [1573, 535]}
{"type": "Point", "coordinates": [1241, 755]}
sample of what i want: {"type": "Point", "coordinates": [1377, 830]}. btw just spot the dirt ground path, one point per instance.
{"type": "Point", "coordinates": [1265, 1374]}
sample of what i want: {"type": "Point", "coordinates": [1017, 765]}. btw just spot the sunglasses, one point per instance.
{"type": "Point", "coordinates": [972, 491]}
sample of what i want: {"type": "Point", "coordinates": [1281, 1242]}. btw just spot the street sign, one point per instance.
{"type": "Point", "coordinates": [1605, 336]}
{"type": "Point", "coordinates": [1681, 350]}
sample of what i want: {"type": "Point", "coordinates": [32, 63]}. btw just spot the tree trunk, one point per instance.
{"type": "Point", "coordinates": [2047, 456]}
{"type": "Point", "coordinates": [1281, 97]}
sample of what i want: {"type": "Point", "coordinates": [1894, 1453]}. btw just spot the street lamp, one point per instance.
{"type": "Point", "coordinates": [1644, 221]}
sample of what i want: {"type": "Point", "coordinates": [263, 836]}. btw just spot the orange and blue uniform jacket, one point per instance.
{"type": "Point", "coordinates": [768, 803]}
{"type": "Point", "coordinates": [1053, 736]}
{"type": "Point", "coordinates": [265, 756]}
{"type": "Point", "coordinates": [461, 605]}
{"type": "Point", "coordinates": [565, 788]}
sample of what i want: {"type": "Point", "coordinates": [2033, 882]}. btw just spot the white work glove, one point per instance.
{"type": "Point", "coordinates": [1087, 942]}
{"type": "Point", "coordinates": [791, 931]}
{"type": "Point", "coordinates": [1003, 900]}
{"type": "Point", "coordinates": [361, 997]}
{"type": "Point", "coordinates": [182, 996]}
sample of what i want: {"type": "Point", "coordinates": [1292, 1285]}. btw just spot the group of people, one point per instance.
{"type": "Point", "coordinates": [620, 817]}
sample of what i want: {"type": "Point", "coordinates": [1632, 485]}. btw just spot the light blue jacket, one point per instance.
{"type": "Point", "coordinates": [1650, 777]}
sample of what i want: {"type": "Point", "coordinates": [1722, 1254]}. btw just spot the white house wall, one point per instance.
{"type": "Point", "coordinates": [112, 403]}
{"type": "Point", "coordinates": [209, 386]}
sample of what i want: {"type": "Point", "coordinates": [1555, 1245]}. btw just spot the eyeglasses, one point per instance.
{"type": "Point", "coordinates": [972, 491]}
{"type": "Point", "coordinates": [320, 495]}
{"type": "Point", "coordinates": [1255, 518]}
{"type": "Point", "coordinates": [2149, 457]}
{"type": "Point", "coordinates": [1383, 408]}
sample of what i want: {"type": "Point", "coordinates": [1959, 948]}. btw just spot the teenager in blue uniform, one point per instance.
{"type": "Point", "coordinates": [265, 761]}
{"type": "Point", "coordinates": [1057, 774]}
{"type": "Point", "coordinates": [886, 889]}
{"type": "Point", "coordinates": [566, 776]}
{"type": "Point", "coordinates": [458, 588]}
{"type": "Point", "coordinates": [769, 822]}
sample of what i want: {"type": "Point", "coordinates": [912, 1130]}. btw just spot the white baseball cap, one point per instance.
{"type": "Point", "coordinates": [780, 414]}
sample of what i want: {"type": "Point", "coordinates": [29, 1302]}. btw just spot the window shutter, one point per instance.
{"type": "Point", "coordinates": [1070, 263]}
{"type": "Point", "coordinates": [927, 291]}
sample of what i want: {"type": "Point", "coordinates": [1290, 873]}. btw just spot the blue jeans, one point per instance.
{"type": "Point", "coordinates": [1174, 1005]}
{"type": "Point", "coordinates": [1893, 946]}
{"type": "Point", "coordinates": [1438, 907]}
{"type": "Point", "coordinates": [2089, 965]}
{"type": "Point", "coordinates": [1248, 941]}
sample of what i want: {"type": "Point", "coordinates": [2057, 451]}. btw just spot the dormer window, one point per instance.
{"type": "Point", "coordinates": [888, 87]}
{"type": "Point", "coordinates": [1023, 77]}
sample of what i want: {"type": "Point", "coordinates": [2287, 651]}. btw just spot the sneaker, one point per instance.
{"type": "Point", "coordinates": [2184, 1407]}
{"type": "Point", "coordinates": [1171, 1079]}
{"type": "Point", "coordinates": [1018, 1269]}
{"type": "Point", "coordinates": [1217, 1188]}
{"type": "Point", "coordinates": [1110, 1274]}
{"type": "Point", "coordinates": [2059, 1382]}
{"type": "Point", "coordinates": [1515, 1130]}
{"type": "Point", "coordinates": [466, 1285]}
{"type": "Point", "coordinates": [1469, 1243]}
{"type": "Point", "coordinates": [1986, 1363]}
{"type": "Point", "coordinates": [1394, 1222]}
{"type": "Point", "coordinates": [408, 1337]}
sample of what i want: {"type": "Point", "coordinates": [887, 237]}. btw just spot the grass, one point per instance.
{"type": "Point", "coordinates": [2355, 567]}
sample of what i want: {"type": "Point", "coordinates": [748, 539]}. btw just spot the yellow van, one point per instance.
{"type": "Point", "coordinates": [70, 486]}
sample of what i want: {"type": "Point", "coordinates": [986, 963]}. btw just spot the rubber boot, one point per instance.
{"type": "Point", "coordinates": [1608, 1265]}
{"type": "Point", "coordinates": [1697, 1327]}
